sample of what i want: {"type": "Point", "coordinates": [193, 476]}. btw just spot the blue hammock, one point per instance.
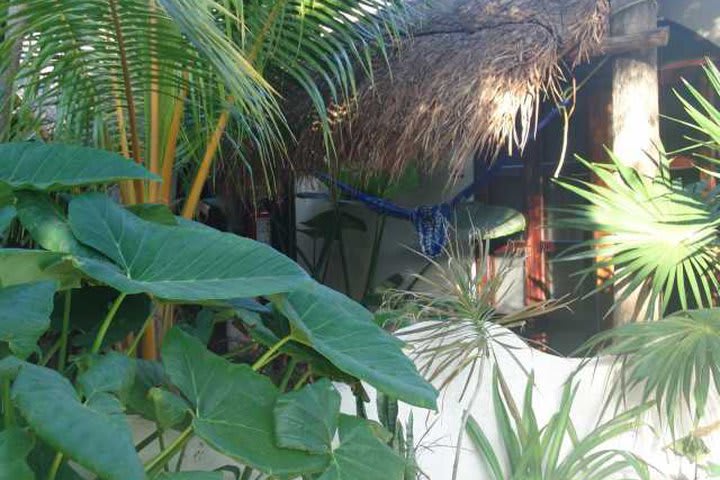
{"type": "Point", "coordinates": [431, 221]}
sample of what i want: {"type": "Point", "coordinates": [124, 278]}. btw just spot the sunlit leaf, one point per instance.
{"type": "Point", "coordinates": [175, 263]}
{"type": "Point", "coordinates": [344, 332]}
{"type": "Point", "coordinates": [40, 166]}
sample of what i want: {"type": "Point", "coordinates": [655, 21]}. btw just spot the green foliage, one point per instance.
{"type": "Point", "coordinates": [175, 263]}
{"type": "Point", "coordinates": [40, 166]}
{"type": "Point", "coordinates": [453, 315]}
{"type": "Point", "coordinates": [661, 238]}
{"type": "Point", "coordinates": [15, 446]}
{"type": "Point", "coordinates": [24, 315]}
{"type": "Point", "coordinates": [66, 386]}
{"type": "Point", "coordinates": [487, 222]}
{"type": "Point", "coordinates": [534, 451]}
{"type": "Point", "coordinates": [675, 361]}
{"type": "Point", "coordinates": [344, 333]}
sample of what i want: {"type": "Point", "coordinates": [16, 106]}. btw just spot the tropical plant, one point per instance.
{"type": "Point", "coordinates": [93, 279]}
{"type": "Point", "coordinates": [173, 84]}
{"type": "Point", "coordinates": [453, 315]}
{"type": "Point", "coordinates": [661, 237]}
{"type": "Point", "coordinates": [674, 361]}
{"type": "Point", "coordinates": [539, 452]}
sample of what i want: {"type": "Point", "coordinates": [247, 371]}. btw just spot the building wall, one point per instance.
{"type": "Point", "coordinates": [702, 16]}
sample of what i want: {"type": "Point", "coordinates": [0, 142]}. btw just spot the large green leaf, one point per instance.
{"type": "Point", "coordinates": [487, 221]}
{"type": "Point", "coordinates": [344, 332]}
{"type": "Point", "coordinates": [25, 315]}
{"type": "Point", "coordinates": [25, 266]}
{"type": "Point", "coordinates": [7, 215]}
{"type": "Point", "coordinates": [307, 419]}
{"type": "Point", "coordinates": [148, 375]}
{"type": "Point", "coordinates": [111, 373]}
{"type": "Point", "coordinates": [361, 455]}
{"type": "Point", "coordinates": [47, 224]}
{"type": "Point", "coordinates": [175, 263]}
{"type": "Point", "coordinates": [94, 434]}
{"type": "Point", "coordinates": [39, 166]}
{"type": "Point", "coordinates": [233, 407]}
{"type": "Point", "coordinates": [15, 445]}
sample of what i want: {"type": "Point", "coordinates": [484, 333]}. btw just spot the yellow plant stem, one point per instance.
{"type": "Point", "coordinates": [127, 188]}
{"type": "Point", "coordinates": [168, 162]}
{"type": "Point", "coordinates": [55, 467]}
{"type": "Point", "coordinates": [154, 147]}
{"type": "Point", "coordinates": [203, 172]}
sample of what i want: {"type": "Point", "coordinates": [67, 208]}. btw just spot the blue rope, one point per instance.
{"type": "Point", "coordinates": [431, 221]}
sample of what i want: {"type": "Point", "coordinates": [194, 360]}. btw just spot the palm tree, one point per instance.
{"type": "Point", "coordinates": [160, 80]}
{"type": "Point", "coordinates": [163, 81]}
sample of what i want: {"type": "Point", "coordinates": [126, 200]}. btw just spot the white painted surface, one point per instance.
{"type": "Point", "coordinates": [436, 433]}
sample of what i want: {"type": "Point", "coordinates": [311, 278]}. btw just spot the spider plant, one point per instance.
{"type": "Point", "coordinates": [537, 452]}
{"type": "Point", "coordinates": [455, 320]}
{"type": "Point", "coordinates": [453, 313]}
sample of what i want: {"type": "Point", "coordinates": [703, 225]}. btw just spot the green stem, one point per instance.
{"type": "Point", "coordinates": [288, 374]}
{"type": "Point", "coordinates": [181, 457]}
{"type": "Point", "coordinates": [146, 441]}
{"type": "Point", "coordinates": [8, 409]}
{"type": "Point", "coordinates": [65, 331]}
{"type": "Point", "coordinates": [55, 467]}
{"type": "Point", "coordinates": [165, 456]}
{"type": "Point", "coordinates": [50, 353]}
{"type": "Point", "coordinates": [303, 379]}
{"type": "Point", "coordinates": [161, 442]}
{"type": "Point", "coordinates": [106, 323]}
{"type": "Point", "coordinates": [136, 341]}
{"type": "Point", "coordinates": [267, 356]}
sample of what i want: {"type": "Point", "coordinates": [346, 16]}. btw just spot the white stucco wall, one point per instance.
{"type": "Point", "coordinates": [436, 433]}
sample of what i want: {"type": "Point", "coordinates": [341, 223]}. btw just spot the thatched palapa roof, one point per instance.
{"type": "Point", "coordinates": [468, 80]}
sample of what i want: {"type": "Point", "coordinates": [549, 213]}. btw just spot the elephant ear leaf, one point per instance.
{"type": "Point", "coordinates": [308, 419]}
{"type": "Point", "coordinates": [40, 166]}
{"type": "Point", "coordinates": [94, 433]}
{"type": "Point", "coordinates": [15, 445]}
{"type": "Point", "coordinates": [344, 332]}
{"type": "Point", "coordinates": [25, 315]}
{"type": "Point", "coordinates": [233, 407]}
{"type": "Point", "coordinates": [175, 263]}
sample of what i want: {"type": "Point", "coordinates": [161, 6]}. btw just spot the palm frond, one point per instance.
{"type": "Point", "coordinates": [660, 237]}
{"type": "Point", "coordinates": [675, 362]}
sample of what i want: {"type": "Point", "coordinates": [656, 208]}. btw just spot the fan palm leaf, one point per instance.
{"type": "Point", "coordinates": [674, 361]}
{"type": "Point", "coordinates": [661, 238]}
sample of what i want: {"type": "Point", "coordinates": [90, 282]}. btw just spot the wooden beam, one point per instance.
{"type": "Point", "coordinates": [619, 44]}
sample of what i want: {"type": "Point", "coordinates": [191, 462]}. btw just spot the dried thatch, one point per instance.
{"type": "Point", "coordinates": [469, 80]}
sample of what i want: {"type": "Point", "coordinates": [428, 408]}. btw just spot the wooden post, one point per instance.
{"type": "Point", "coordinates": [635, 106]}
